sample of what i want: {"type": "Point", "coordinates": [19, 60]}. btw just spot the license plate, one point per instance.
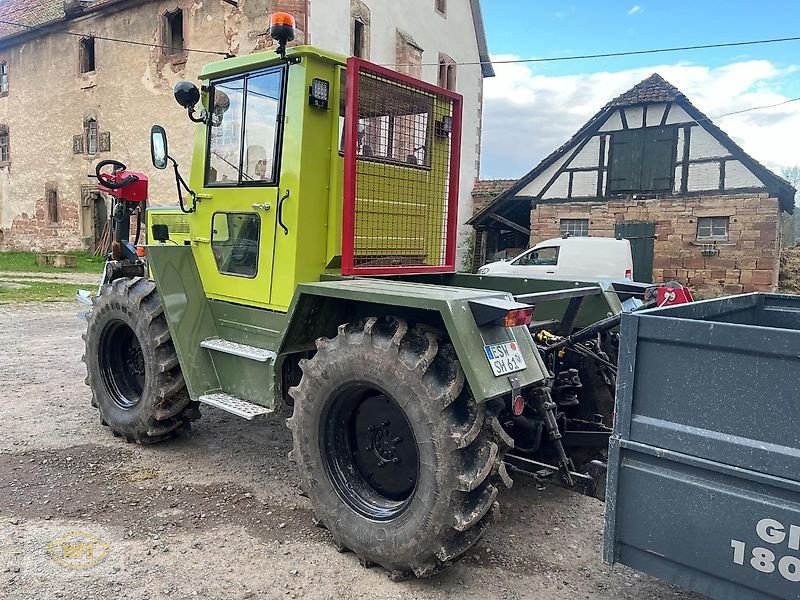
{"type": "Point", "coordinates": [504, 358]}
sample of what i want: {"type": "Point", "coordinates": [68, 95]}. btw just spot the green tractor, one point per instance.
{"type": "Point", "coordinates": [310, 269]}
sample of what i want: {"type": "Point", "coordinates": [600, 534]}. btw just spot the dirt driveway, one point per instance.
{"type": "Point", "coordinates": [218, 513]}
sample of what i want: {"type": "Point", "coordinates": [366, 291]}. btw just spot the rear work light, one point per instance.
{"type": "Point", "coordinates": [518, 317]}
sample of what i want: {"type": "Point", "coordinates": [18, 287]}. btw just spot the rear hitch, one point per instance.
{"type": "Point", "coordinates": [592, 483]}
{"type": "Point", "coordinates": [544, 404]}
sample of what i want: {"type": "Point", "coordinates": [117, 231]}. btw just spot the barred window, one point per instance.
{"type": "Point", "coordinates": [3, 78]}
{"type": "Point", "coordinates": [575, 227]}
{"type": "Point", "coordinates": [90, 133]}
{"type": "Point", "coordinates": [396, 124]}
{"type": "Point", "coordinates": [713, 228]}
{"type": "Point", "coordinates": [5, 154]}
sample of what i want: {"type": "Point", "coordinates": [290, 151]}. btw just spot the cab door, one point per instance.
{"type": "Point", "coordinates": [237, 215]}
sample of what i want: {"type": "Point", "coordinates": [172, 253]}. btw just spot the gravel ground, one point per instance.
{"type": "Point", "coordinates": [218, 513]}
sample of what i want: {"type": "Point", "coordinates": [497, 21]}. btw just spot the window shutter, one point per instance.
{"type": "Point", "coordinates": [625, 161]}
{"type": "Point", "coordinates": [77, 144]}
{"type": "Point", "coordinates": [658, 164]}
{"type": "Point", "coordinates": [105, 141]}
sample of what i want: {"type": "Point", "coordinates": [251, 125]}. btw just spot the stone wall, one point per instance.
{"type": "Point", "coordinates": [129, 91]}
{"type": "Point", "coordinates": [748, 261]}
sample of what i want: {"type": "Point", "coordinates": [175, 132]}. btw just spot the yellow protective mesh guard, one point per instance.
{"type": "Point", "coordinates": [402, 153]}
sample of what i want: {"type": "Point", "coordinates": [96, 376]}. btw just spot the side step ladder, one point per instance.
{"type": "Point", "coordinates": [235, 406]}
{"type": "Point", "coordinates": [227, 402]}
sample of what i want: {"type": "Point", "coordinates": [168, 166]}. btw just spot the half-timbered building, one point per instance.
{"type": "Point", "coordinates": [651, 167]}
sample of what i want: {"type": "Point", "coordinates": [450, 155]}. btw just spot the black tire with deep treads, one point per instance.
{"type": "Point", "coordinates": [128, 333]}
{"type": "Point", "coordinates": [459, 444]}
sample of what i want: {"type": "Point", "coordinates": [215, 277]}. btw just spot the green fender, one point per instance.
{"type": "Point", "coordinates": [319, 308]}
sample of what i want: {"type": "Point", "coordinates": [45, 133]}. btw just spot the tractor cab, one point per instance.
{"type": "Point", "coordinates": [308, 163]}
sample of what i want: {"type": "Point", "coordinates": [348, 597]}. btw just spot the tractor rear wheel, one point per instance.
{"type": "Point", "coordinates": [131, 364]}
{"type": "Point", "coordinates": [396, 456]}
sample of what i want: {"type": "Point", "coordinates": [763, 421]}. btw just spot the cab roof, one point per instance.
{"type": "Point", "coordinates": [268, 58]}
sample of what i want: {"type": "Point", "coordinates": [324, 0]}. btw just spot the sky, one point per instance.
{"type": "Point", "coordinates": [530, 109]}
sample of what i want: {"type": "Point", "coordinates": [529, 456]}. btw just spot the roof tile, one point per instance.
{"type": "Point", "coordinates": [652, 90]}
{"type": "Point", "coordinates": [491, 187]}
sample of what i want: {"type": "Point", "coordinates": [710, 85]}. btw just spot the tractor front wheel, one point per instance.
{"type": "Point", "coordinates": [396, 456]}
{"type": "Point", "coordinates": [131, 364]}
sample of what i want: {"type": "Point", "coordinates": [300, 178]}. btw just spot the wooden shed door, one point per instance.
{"type": "Point", "coordinates": [642, 235]}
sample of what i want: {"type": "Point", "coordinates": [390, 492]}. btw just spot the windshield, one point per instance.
{"type": "Point", "coordinates": [243, 136]}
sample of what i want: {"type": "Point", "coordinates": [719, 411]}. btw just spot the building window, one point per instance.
{"type": "Point", "coordinates": [713, 228]}
{"type": "Point", "coordinates": [52, 205]}
{"type": "Point", "coordinates": [87, 55]}
{"type": "Point", "coordinates": [441, 7]}
{"type": "Point", "coordinates": [90, 133]}
{"type": "Point", "coordinates": [575, 227]}
{"type": "Point", "coordinates": [5, 154]}
{"type": "Point", "coordinates": [358, 38]}
{"type": "Point", "coordinates": [3, 78]}
{"type": "Point", "coordinates": [409, 55]}
{"type": "Point", "coordinates": [642, 160]}
{"type": "Point", "coordinates": [447, 72]}
{"type": "Point", "coordinates": [359, 29]}
{"type": "Point", "coordinates": [173, 32]}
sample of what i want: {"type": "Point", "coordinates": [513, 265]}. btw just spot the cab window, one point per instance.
{"type": "Point", "coordinates": [244, 136]}
{"type": "Point", "coordinates": [234, 242]}
{"type": "Point", "coordinates": [542, 256]}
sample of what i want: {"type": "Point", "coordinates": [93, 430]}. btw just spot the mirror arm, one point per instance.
{"type": "Point", "coordinates": [203, 117]}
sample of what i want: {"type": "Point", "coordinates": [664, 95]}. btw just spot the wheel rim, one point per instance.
{"type": "Point", "coordinates": [370, 452]}
{"type": "Point", "coordinates": [122, 364]}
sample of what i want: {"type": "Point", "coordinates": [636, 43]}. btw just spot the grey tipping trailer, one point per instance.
{"type": "Point", "coordinates": [704, 462]}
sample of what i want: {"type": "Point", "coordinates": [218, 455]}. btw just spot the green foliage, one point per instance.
{"type": "Point", "coordinates": [26, 261]}
{"type": "Point", "coordinates": [792, 175]}
{"type": "Point", "coordinates": [467, 245]}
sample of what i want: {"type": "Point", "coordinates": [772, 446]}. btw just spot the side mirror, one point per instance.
{"type": "Point", "coordinates": [186, 94]}
{"type": "Point", "coordinates": [221, 105]}
{"type": "Point", "coordinates": [159, 151]}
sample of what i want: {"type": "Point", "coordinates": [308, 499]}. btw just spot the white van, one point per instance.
{"type": "Point", "coordinates": [578, 258]}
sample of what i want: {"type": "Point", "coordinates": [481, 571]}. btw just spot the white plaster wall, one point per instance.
{"type": "Point", "coordinates": [560, 187]}
{"type": "Point", "coordinates": [678, 115]}
{"type": "Point", "coordinates": [739, 176]}
{"type": "Point", "coordinates": [584, 184]}
{"type": "Point", "coordinates": [453, 35]}
{"type": "Point", "coordinates": [703, 176]}
{"type": "Point", "coordinates": [654, 114]}
{"type": "Point", "coordinates": [634, 116]}
{"type": "Point", "coordinates": [589, 155]}
{"type": "Point", "coordinates": [703, 145]}
{"type": "Point", "coordinates": [535, 186]}
{"type": "Point", "coordinates": [613, 123]}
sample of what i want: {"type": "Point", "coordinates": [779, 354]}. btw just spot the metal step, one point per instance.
{"type": "Point", "coordinates": [236, 406]}
{"type": "Point", "coordinates": [236, 349]}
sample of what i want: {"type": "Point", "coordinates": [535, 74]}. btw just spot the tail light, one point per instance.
{"type": "Point", "coordinates": [628, 273]}
{"type": "Point", "coordinates": [518, 317]}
